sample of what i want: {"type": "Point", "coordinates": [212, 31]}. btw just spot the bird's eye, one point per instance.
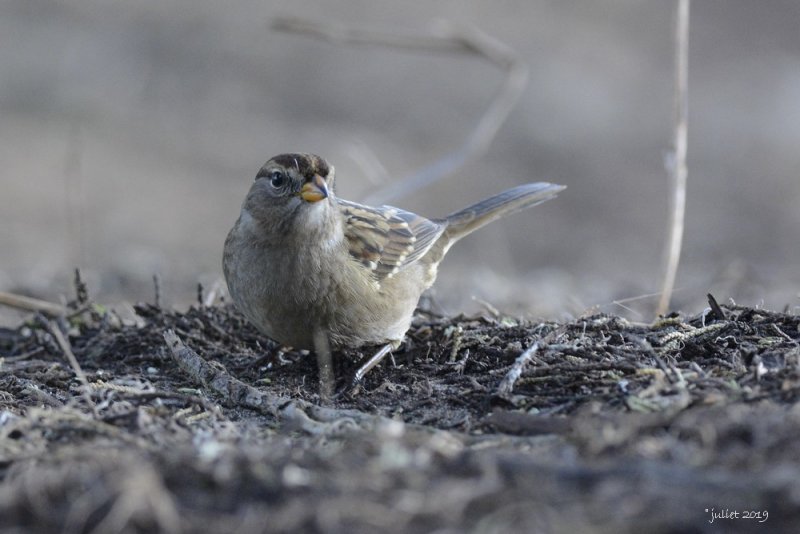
{"type": "Point", "coordinates": [277, 179]}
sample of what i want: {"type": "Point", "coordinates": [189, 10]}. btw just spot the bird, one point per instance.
{"type": "Point", "coordinates": [300, 262]}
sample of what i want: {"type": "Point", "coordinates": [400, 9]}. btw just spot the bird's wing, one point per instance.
{"type": "Point", "coordinates": [387, 239]}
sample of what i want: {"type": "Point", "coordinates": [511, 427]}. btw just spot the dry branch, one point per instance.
{"type": "Point", "coordinates": [21, 302]}
{"type": "Point", "coordinates": [448, 39]}
{"type": "Point", "coordinates": [306, 416]}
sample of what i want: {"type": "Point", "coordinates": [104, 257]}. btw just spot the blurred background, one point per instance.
{"type": "Point", "coordinates": [131, 131]}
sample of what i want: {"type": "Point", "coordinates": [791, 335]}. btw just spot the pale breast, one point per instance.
{"type": "Point", "coordinates": [290, 295]}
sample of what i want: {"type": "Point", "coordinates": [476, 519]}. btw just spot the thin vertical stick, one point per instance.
{"type": "Point", "coordinates": [679, 171]}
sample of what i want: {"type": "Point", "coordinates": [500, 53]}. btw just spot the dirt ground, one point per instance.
{"type": "Point", "coordinates": [162, 421]}
{"type": "Point", "coordinates": [130, 134]}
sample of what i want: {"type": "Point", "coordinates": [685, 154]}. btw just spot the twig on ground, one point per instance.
{"type": "Point", "coordinates": [306, 416]}
{"type": "Point", "coordinates": [21, 302]}
{"type": "Point", "coordinates": [444, 38]}
{"type": "Point", "coordinates": [678, 159]}
{"type": "Point", "coordinates": [506, 386]}
{"type": "Point", "coordinates": [65, 347]}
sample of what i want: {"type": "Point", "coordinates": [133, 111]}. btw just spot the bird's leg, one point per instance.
{"type": "Point", "coordinates": [324, 363]}
{"type": "Point", "coordinates": [373, 361]}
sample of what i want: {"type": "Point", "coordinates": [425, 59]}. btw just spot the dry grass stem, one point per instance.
{"type": "Point", "coordinates": [448, 38]}
{"type": "Point", "coordinates": [678, 163]}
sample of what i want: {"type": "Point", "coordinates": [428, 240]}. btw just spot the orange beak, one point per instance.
{"type": "Point", "coordinates": [314, 190]}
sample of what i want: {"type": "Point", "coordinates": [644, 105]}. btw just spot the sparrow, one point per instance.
{"type": "Point", "coordinates": [300, 262]}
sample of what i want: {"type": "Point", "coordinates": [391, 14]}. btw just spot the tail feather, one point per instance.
{"type": "Point", "coordinates": [471, 218]}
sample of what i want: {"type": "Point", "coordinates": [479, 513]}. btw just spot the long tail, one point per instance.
{"type": "Point", "coordinates": [471, 218]}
